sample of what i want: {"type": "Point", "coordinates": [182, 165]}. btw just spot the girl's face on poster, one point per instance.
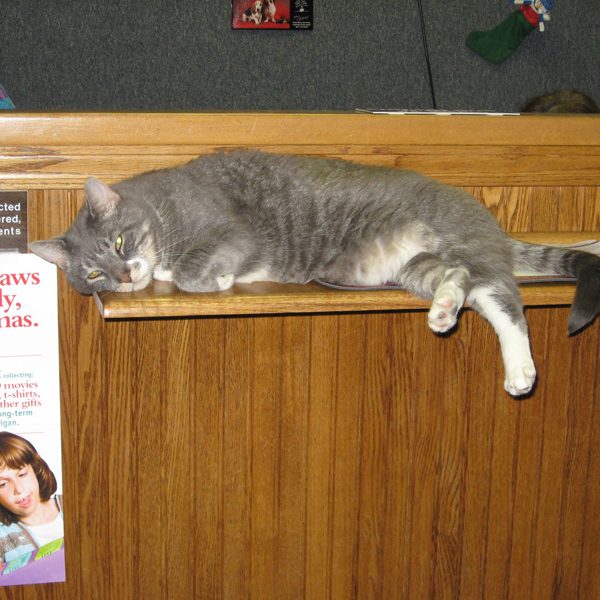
{"type": "Point", "coordinates": [19, 491]}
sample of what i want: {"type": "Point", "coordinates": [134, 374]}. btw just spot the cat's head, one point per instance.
{"type": "Point", "coordinates": [109, 246]}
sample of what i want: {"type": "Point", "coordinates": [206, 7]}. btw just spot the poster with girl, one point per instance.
{"type": "Point", "coordinates": [31, 508]}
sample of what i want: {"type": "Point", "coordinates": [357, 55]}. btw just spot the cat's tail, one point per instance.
{"type": "Point", "coordinates": [582, 265]}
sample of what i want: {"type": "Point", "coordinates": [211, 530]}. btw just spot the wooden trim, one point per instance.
{"type": "Point", "coordinates": [161, 299]}
{"type": "Point", "coordinates": [61, 168]}
{"type": "Point", "coordinates": [265, 128]}
{"type": "Point", "coordinates": [42, 151]}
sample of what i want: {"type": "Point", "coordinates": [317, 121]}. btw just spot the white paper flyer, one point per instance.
{"type": "Point", "coordinates": [31, 515]}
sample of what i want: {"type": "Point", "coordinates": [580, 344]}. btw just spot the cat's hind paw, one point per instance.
{"type": "Point", "coordinates": [442, 314]}
{"type": "Point", "coordinates": [519, 380]}
{"type": "Point", "coordinates": [224, 282]}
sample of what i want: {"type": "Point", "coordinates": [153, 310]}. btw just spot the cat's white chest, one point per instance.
{"type": "Point", "coordinates": [380, 261]}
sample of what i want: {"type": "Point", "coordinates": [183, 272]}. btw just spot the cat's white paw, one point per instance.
{"type": "Point", "coordinates": [520, 379]}
{"type": "Point", "coordinates": [442, 314]}
{"type": "Point", "coordinates": [163, 274]}
{"type": "Point", "coordinates": [224, 282]}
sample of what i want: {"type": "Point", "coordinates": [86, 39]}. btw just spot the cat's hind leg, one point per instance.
{"type": "Point", "coordinates": [500, 304]}
{"type": "Point", "coordinates": [428, 276]}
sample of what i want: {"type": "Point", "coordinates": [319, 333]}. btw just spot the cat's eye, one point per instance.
{"type": "Point", "coordinates": [119, 243]}
{"type": "Point", "coordinates": [94, 274]}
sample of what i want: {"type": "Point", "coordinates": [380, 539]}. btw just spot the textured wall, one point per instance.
{"type": "Point", "coordinates": [134, 55]}
{"type": "Point", "coordinates": [566, 55]}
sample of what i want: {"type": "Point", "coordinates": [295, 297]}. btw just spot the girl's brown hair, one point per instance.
{"type": "Point", "coordinates": [16, 453]}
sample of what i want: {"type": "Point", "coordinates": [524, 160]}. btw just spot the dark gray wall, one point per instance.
{"type": "Point", "coordinates": [565, 56]}
{"type": "Point", "coordinates": [182, 55]}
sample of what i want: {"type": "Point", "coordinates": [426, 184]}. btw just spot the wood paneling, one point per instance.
{"type": "Point", "coordinates": [325, 455]}
{"type": "Point", "coordinates": [340, 456]}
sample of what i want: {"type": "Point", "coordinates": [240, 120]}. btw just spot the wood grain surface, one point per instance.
{"type": "Point", "coordinates": [38, 151]}
{"type": "Point", "coordinates": [323, 456]}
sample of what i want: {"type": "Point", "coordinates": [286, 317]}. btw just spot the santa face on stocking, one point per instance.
{"type": "Point", "coordinates": [535, 11]}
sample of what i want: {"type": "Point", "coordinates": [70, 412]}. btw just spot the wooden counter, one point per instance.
{"type": "Point", "coordinates": [298, 442]}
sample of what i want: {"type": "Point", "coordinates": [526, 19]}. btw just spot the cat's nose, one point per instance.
{"type": "Point", "coordinates": [125, 277]}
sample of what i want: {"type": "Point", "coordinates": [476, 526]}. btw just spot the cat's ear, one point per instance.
{"type": "Point", "coordinates": [54, 251]}
{"type": "Point", "coordinates": [101, 199]}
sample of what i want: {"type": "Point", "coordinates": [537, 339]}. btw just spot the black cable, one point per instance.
{"type": "Point", "coordinates": [426, 50]}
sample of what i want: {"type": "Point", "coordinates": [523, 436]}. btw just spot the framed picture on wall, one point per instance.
{"type": "Point", "coordinates": [272, 14]}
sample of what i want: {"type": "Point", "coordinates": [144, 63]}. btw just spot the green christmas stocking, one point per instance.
{"type": "Point", "coordinates": [497, 44]}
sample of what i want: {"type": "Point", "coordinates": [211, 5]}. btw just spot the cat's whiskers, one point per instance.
{"type": "Point", "coordinates": [168, 227]}
{"type": "Point", "coordinates": [161, 248]}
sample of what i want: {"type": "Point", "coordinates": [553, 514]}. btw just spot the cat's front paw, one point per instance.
{"type": "Point", "coordinates": [161, 274]}
{"type": "Point", "coordinates": [224, 282]}
{"type": "Point", "coordinates": [520, 379]}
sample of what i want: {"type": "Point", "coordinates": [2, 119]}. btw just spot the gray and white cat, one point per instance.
{"type": "Point", "coordinates": [246, 216]}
